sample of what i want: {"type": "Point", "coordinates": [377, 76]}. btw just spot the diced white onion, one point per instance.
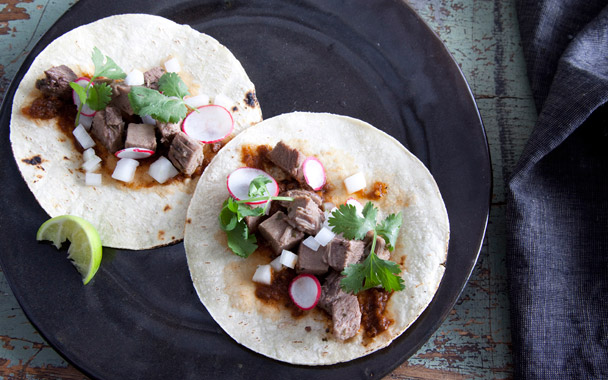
{"type": "Point", "coordinates": [355, 182]}
{"type": "Point", "coordinates": [224, 101]}
{"type": "Point", "coordinates": [134, 78]}
{"type": "Point", "coordinates": [88, 154]}
{"type": "Point", "coordinates": [327, 216]}
{"type": "Point", "coordinates": [276, 264]}
{"type": "Point", "coordinates": [311, 243]}
{"type": "Point", "coordinates": [92, 179]}
{"type": "Point", "coordinates": [288, 258]}
{"type": "Point", "coordinates": [148, 120]}
{"type": "Point", "coordinates": [92, 163]}
{"type": "Point", "coordinates": [173, 66]}
{"type": "Point", "coordinates": [197, 100]}
{"type": "Point", "coordinates": [162, 169]}
{"type": "Point", "coordinates": [328, 206]}
{"type": "Point", "coordinates": [324, 236]}
{"type": "Point", "coordinates": [86, 121]}
{"type": "Point", "coordinates": [263, 274]}
{"type": "Point", "coordinates": [125, 169]}
{"type": "Point", "coordinates": [83, 138]}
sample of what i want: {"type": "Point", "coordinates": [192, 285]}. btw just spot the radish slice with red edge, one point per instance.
{"type": "Point", "coordinates": [208, 124]}
{"type": "Point", "coordinates": [314, 173]}
{"type": "Point", "coordinates": [134, 153]}
{"type": "Point", "coordinates": [238, 184]}
{"type": "Point", "coordinates": [305, 291]}
{"type": "Point", "coordinates": [86, 110]}
{"type": "Point", "coordinates": [357, 204]}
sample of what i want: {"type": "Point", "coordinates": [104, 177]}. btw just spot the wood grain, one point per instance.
{"type": "Point", "coordinates": [474, 342]}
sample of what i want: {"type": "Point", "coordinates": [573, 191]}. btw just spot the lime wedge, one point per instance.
{"type": "Point", "coordinates": [85, 248]}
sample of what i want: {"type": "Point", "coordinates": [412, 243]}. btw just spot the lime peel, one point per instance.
{"type": "Point", "coordinates": [85, 249]}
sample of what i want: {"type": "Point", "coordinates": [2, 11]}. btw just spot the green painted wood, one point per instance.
{"type": "Point", "coordinates": [474, 342]}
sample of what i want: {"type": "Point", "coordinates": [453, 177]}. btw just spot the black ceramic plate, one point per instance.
{"type": "Point", "coordinates": [373, 60]}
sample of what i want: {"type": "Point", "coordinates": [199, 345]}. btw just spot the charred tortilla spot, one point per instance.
{"type": "Point", "coordinates": [251, 99]}
{"type": "Point", "coordinates": [188, 221]}
{"type": "Point", "coordinates": [308, 329]}
{"type": "Point", "coordinates": [161, 235]}
{"type": "Point", "coordinates": [66, 158]}
{"type": "Point", "coordinates": [235, 108]}
{"type": "Point", "coordinates": [167, 208]}
{"type": "Point", "coordinates": [34, 161]}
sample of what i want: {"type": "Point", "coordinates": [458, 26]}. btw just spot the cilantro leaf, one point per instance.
{"type": "Point", "coordinates": [145, 101]}
{"type": "Point", "coordinates": [345, 221]}
{"type": "Point", "coordinates": [371, 273]}
{"type": "Point", "coordinates": [99, 96]}
{"type": "Point", "coordinates": [108, 69]}
{"type": "Point", "coordinates": [227, 218]}
{"type": "Point", "coordinates": [257, 187]}
{"type": "Point", "coordinates": [240, 241]}
{"type": "Point", "coordinates": [170, 84]}
{"type": "Point", "coordinates": [82, 93]}
{"type": "Point", "coordinates": [389, 229]}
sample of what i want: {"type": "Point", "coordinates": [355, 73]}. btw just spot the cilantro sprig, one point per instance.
{"type": "Point", "coordinates": [233, 213]}
{"type": "Point", "coordinates": [167, 104]}
{"type": "Point", "coordinates": [98, 95]}
{"type": "Point", "coordinates": [373, 271]}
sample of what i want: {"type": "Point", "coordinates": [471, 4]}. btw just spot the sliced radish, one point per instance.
{"type": "Point", "coordinates": [358, 206]}
{"type": "Point", "coordinates": [355, 182]}
{"type": "Point", "coordinates": [83, 137]}
{"type": "Point", "coordinates": [288, 259]}
{"type": "Point", "coordinates": [162, 169]}
{"type": "Point", "coordinates": [134, 153]}
{"type": "Point", "coordinates": [125, 169]}
{"type": "Point", "coordinates": [86, 110]}
{"type": "Point", "coordinates": [208, 124]}
{"type": "Point", "coordinates": [238, 183]}
{"type": "Point", "coordinates": [314, 173]}
{"type": "Point", "coordinates": [305, 291]}
{"type": "Point", "coordinates": [197, 100]}
{"type": "Point", "coordinates": [263, 274]}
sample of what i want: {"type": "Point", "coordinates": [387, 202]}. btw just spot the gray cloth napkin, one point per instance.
{"type": "Point", "coordinates": [557, 201]}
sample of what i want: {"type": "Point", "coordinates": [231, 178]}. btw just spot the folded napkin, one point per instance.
{"type": "Point", "coordinates": [557, 201]}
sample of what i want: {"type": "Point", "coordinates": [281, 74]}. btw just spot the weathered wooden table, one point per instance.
{"type": "Point", "coordinates": [475, 341]}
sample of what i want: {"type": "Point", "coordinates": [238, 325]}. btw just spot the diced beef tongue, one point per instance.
{"type": "Point", "coordinates": [342, 252]}
{"type": "Point", "coordinates": [152, 76]}
{"type": "Point", "coordinates": [109, 128]}
{"type": "Point", "coordinates": [278, 233]}
{"type": "Point", "coordinates": [304, 214]}
{"type": "Point", "coordinates": [288, 159]}
{"type": "Point", "coordinates": [185, 153]}
{"type": "Point", "coordinates": [167, 131]}
{"type": "Point", "coordinates": [253, 222]}
{"type": "Point", "coordinates": [379, 249]}
{"type": "Point", "coordinates": [295, 193]}
{"type": "Point", "coordinates": [57, 82]}
{"type": "Point", "coordinates": [343, 308]}
{"type": "Point", "coordinates": [120, 97]}
{"type": "Point", "coordinates": [313, 262]}
{"type": "Point", "coordinates": [141, 136]}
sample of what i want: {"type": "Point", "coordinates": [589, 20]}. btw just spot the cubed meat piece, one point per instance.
{"type": "Point", "coordinates": [297, 193]}
{"type": "Point", "coordinates": [141, 136]}
{"type": "Point", "coordinates": [342, 252]}
{"type": "Point", "coordinates": [313, 262]}
{"type": "Point", "coordinates": [279, 234]}
{"type": "Point", "coordinates": [343, 307]}
{"type": "Point", "coordinates": [185, 153]}
{"type": "Point", "coordinates": [120, 97]}
{"type": "Point", "coordinates": [288, 159]}
{"type": "Point", "coordinates": [305, 215]}
{"type": "Point", "coordinates": [253, 222]}
{"type": "Point", "coordinates": [379, 249]}
{"type": "Point", "coordinates": [167, 132]}
{"type": "Point", "coordinates": [109, 128]}
{"type": "Point", "coordinates": [152, 76]}
{"type": "Point", "coordinates": [57, 82]}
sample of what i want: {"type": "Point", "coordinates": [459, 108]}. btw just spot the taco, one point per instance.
{"type": "Point", "coordinates": [396, 182]}
{"type": "Point", "coordinates": [141, 213]}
